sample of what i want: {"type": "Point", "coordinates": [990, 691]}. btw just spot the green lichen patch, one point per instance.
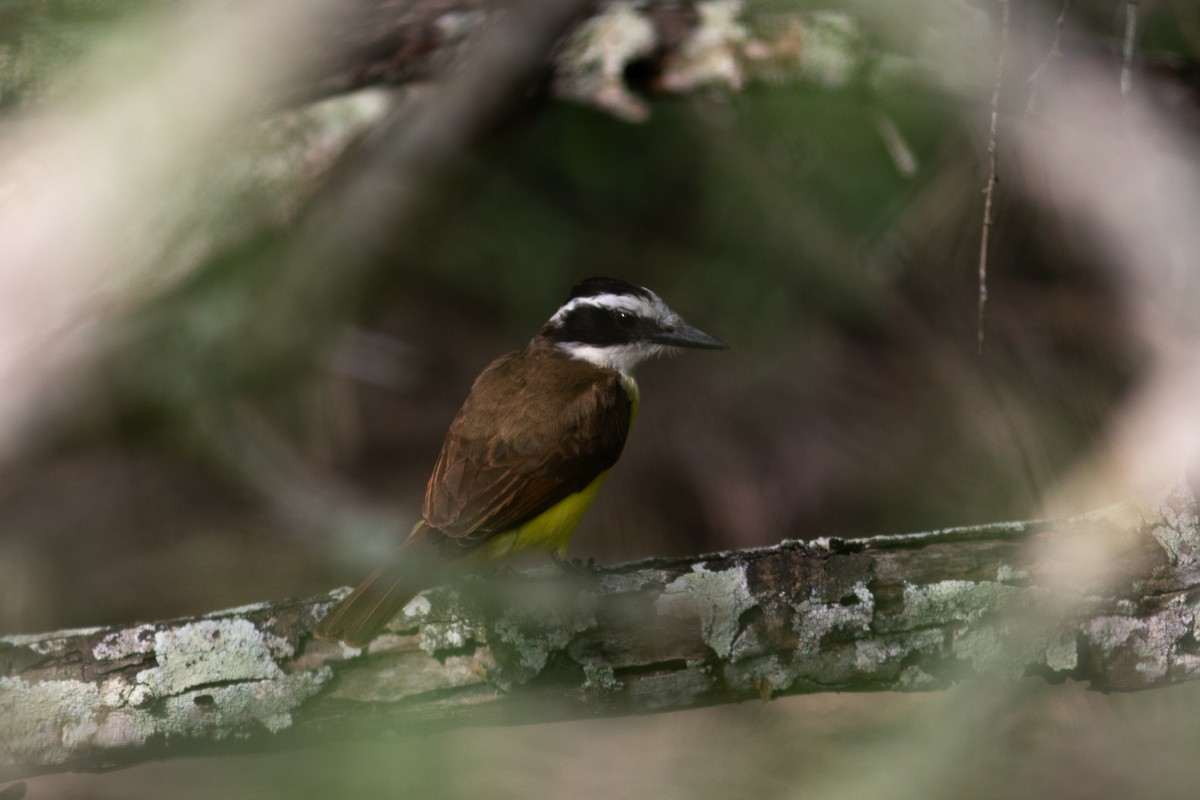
{"type": "Point", "coordinates": [212, 651]}
{"type": "Point", "coordinates": [125, 643]}
{"type": "Point", "coordinates": [883, 655]}
{"type": "Point", "coordinates": [718, 599]}
{"type": "Point", "coordinates": [1006, 573]}
{"type": "Point", "coordinates": [1155, 646]}
{"type": "Point", "coordinates": [814, 619]}
{"type": "Point", "coordinates": [529, 631]}
{"type": "Point", "coordinates": [447, 635]}
{"type": "Point", "coordinates": [524, 654]}
{"type": "Point", "coordinates": [1062, 654]}
{"type": "Point", "coordinates": [416, 609]}
{"type": "Point", "coordinates": [600, 679]}
{"type": "Point", "coordinates": [41, 722]}
{"type": "Point", "coordinates": [51, 722]}
{"type": "Point", "coordinates": [236, 709]}
{"type": "Point", "coordinates": [955, 601]}
{"type": "Point", "coordinates": [989, 625]}
{"type": "Point", "coordinates": [1179, 531]}
{"type": "Point", "coordinates": [1111, 632]}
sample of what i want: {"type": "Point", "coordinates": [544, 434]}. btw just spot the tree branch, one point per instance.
{"type": "Point", "coordinates": [888, 613]}
{"type": "Point", "coordinates": [684, 45]}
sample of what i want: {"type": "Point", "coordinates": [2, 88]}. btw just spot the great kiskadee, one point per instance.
{"type": "Point", "coordinates": [529, 448]}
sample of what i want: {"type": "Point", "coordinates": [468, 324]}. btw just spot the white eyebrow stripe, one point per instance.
{"type": "Point", "coordinates": [616, 302]}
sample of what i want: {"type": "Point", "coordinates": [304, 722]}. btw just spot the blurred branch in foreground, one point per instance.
{"type": "Point", "coordinates": [911, 612]}
{"type": "Point", "coordinates": [364, 43]}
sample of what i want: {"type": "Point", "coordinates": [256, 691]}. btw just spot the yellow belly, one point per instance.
{"type": "Point", "coordinates": [551, 530]}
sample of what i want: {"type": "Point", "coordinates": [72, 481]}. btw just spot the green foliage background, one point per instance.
{"type": "Point", "coordinates": [852, 402]}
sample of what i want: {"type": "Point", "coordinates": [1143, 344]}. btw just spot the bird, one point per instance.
{"type": "Point", "coordinates": [529, 449]}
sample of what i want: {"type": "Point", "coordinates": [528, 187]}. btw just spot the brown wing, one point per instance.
{"type": "Point", "coordinates": [536, 427]}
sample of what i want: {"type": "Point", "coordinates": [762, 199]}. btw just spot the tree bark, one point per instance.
{"type": "Point", "coordinates": [889, 613]}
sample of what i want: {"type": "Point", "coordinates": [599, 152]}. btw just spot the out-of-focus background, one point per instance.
{"type": "Point", "coordinates": [235, 322]}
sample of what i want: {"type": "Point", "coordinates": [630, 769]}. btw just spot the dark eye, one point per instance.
{"type": "Point", "coordinates": [625, 320]}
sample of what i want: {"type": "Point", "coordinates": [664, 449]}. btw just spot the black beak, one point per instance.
{"type": "Point", "coordinates": [683, 335]}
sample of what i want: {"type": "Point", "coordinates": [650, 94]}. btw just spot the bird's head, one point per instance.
{"type": "Point", "coordinates": [615, 324]}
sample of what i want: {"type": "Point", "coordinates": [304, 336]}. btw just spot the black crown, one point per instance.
{"type": "Point", "coordinates": [593, 287]}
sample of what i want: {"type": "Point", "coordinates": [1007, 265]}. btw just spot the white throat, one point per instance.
{"type": "Point", "coordinates": [621, 357]}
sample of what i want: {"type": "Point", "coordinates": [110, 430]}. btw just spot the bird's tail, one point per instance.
{"type": "Point", "coordinates": [359, 617]}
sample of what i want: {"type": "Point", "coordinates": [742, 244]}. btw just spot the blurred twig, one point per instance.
{"type": "Point", "coordinates": [1127, 47]}
{"type": "Point", "coordinates": [909, 613]}
{"type": "Point", "coordinates": [1053, 53]}
{"type": "Point", "coordinates": [990, 188]}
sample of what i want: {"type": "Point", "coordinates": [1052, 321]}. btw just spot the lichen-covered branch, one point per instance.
{"type": "Point", "coordinates": [889, 613]}
{"type": "Point", "coordinates": [680, 46]}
